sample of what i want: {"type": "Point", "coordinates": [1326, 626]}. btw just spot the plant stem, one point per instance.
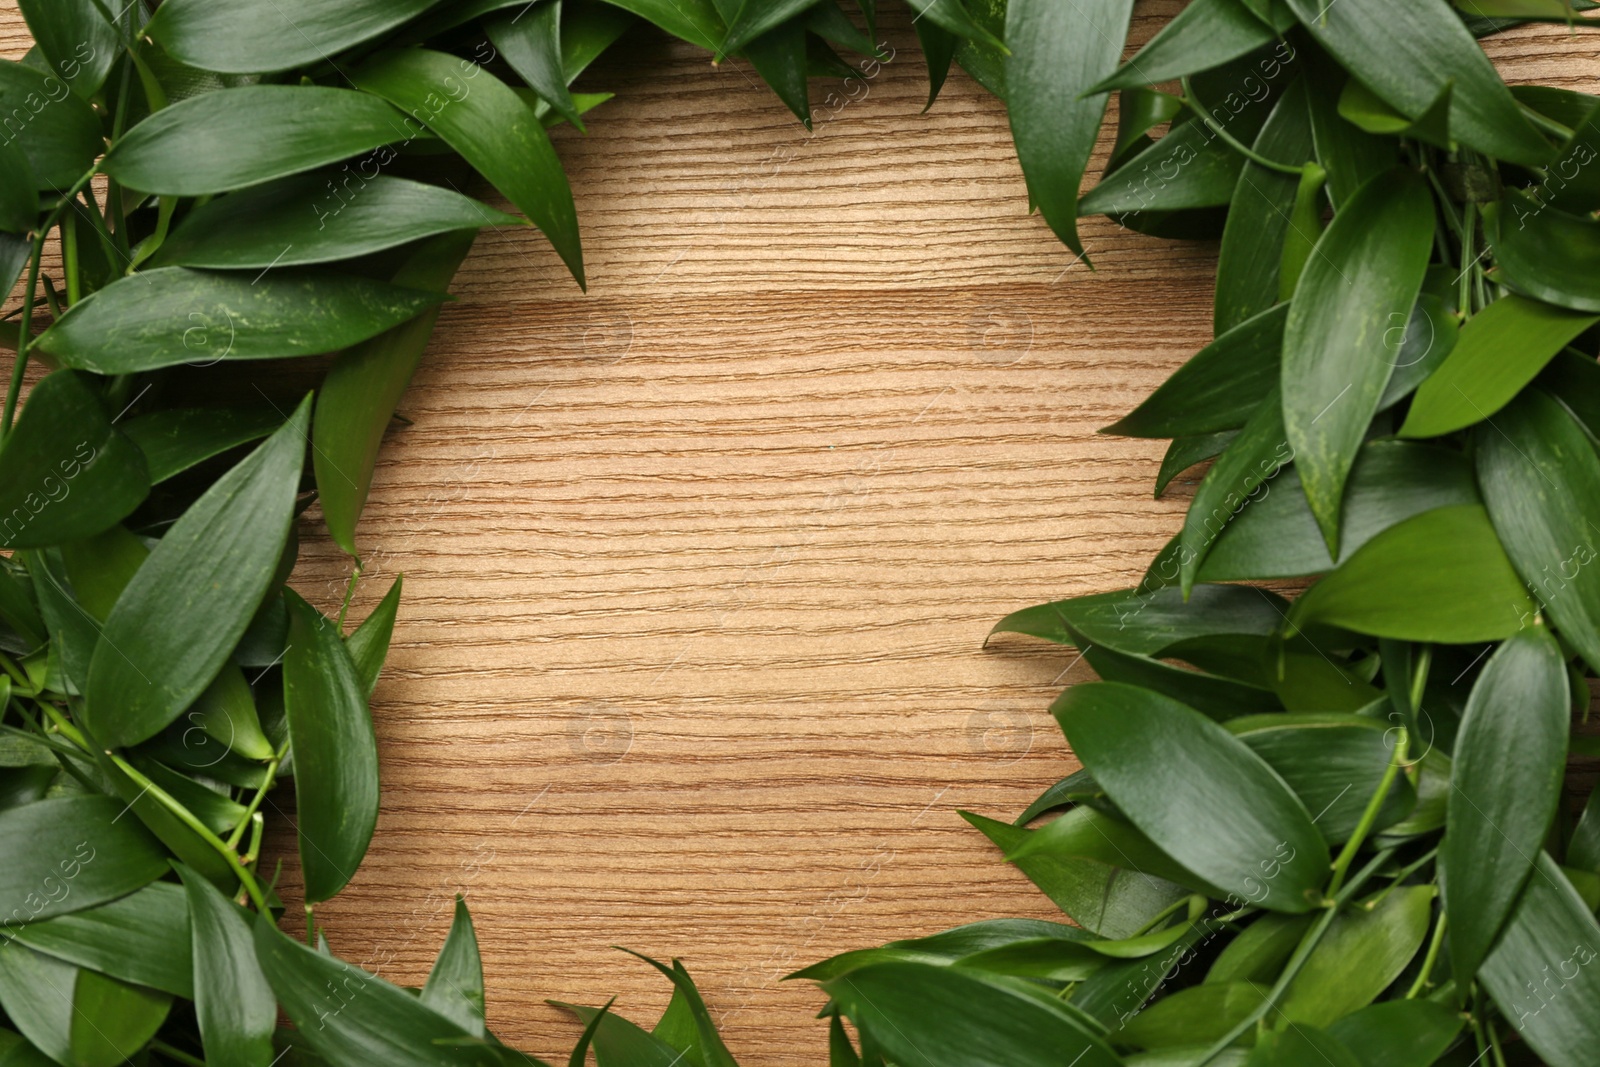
{"type": "Point", "coordinates": [261, 794]}
{"type": "Point", "coordinates": [1370, 816]}
{"type": "Point", "coordinates": [176, 1055]}
{"type": "Point", "coordinates": [1193, 102]}
{"type": "Point", "coordinates": [1425, 976]}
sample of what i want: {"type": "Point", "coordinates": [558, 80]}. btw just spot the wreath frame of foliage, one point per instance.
{"type": "Point", "coordinates": [1365, 858]}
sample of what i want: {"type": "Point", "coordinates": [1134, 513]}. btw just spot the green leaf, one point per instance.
{"type": "Point", "coordinates": [185, 609]}
{"type": "Point", "coordinates": [1542, 973]}
{"type": "Point", "coordinates": [1334, 763]}
{"type": "Point", "coordinates": [480, 117]}
{"type": "Point", "coordinates": [76, 39]}
{"type": "Point", "coordinates": [1059, 50]}
{"type": "Point", "coordinates": [1188, 168]}
{"type": "Point", "coordinates": [1102, 895]}
{"type": "Point", "coordinates": [1428, 339]}
{"type": "Point", "coordinates": [530, 42]}
{"type": "Point", "coordinates": [1200, 1013]}
{"type": "Point", "coordinates": [942, 1017]}
{"type": "Point", "coordinates": [1509, 761]}
{"type": "Point", "coordinates": [19, 199]}
{"type": "Point", "coordinates": [1219, 388]}
{"type": "Point", "coordinates": [1206, 34]}
{"type": "Point", "coordinates": [70, 853]}
{"type": "Point", "coordinates": [1260, 950]}
{"type": "Point", "coordinates": [1262, 216]}
{"type": "Point", "coordinates": [953, 16]}
{"type": "Point", "coordinates": [1144, 622]}
{"type": "Point", "coordinates": [141, 938]}
{"type": "Point", "coordinates": [226, 711]}
{"type": "Point", "coordinates": [711, 1052]}
{"type": "Point", "coordinates": [1408, 55]}
{"type": "Point", "coordinates": [1365, 110]}
{"type": "Point", "coordinates": [938, 50]}
{"type": "Point", "coordinates": [454, 987]}
{"type": "Point", "coordinates": [233, 1003]}
{"type": "Point", "coordinates": [1439, 576]}
{"type": "Point", "coordinates": [1296, 1045]}
{"type": "Point", "coordinates": [1500, 350]}
{"type": "Point", "coordinates": [335, 751]}
{"type": "Point", "coordinates": [756, 17]}
{"type": "Point", "coordinates": [1340, 344]}
{"type": "Point", "coordinates": [619, 1043]}
{"type": "Point", "coordinates": [1350, 156]}
{"type": "Point", "coordinates": [66, 472]}
{"type": "Point", "coordinates": [1087, 833]}
{"type": "Point", "coordinates": [1541, 485]}
{"type": "Point", "coordinates": [1391, 481]}
{"type": "Point", "coordinates": [696, 21]}
{"type": "Point", "coordinates": [348, 1015]}
{"type": "Point", "coordinates": [61, 148]}
{"type": "Point", "coordinates": [192, 148]}
{"type": "Point", "coordinates": [175, 439]}
{"type": "Point", "coordinates": [363, 386]}
{"type": "Point", "coordinates": [962, 942]}
{"type": "Point", "coordinates": [1544, 252]}
{"type": "Point", "coordinates": [1185, 452]}
{"type": "Point", "coordinates": [242, 37]}
{"type": "Point", "coordinates": [1583, 849]}
{"type": "Point", "coordinates": [1230, 818]}
{"type": "Point", "coordinates": [297, 220]}
{"type": "Point", "coordinates": [1304, 228]}
{"type": "Point", "coordinates": [1365, 949]}
{"type": "Point", "coordinates": [369, 644]}
{"type": "Point", "coordinates": [1398, 1033]}
{"type": "Point", "coordinates": [173, 315]}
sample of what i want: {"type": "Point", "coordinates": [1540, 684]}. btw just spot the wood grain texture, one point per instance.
{"type": "Point", "coordinates": [699, 566]}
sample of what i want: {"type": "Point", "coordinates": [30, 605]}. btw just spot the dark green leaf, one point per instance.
{"type": "Point", "coordinates": [1428, 339]}
{"type": "Point", "coordinates": [1261, 216]}
{"type": "Point", "coordinates": [173, 315]}
{"type": "Point", "coordinates": [1219, 698]}
{"type": "Point", "coordinates": [1261, 949]}
{"type": "Point", "coordinates": [1365, 110]}
{"type": "Point", "coordinates": [1583, 849]}
{"type": "Point", "coordinates": [369, 644]}
{"type": "Point", "coordinates": [953, 16]}
{"type": "Point", "coordinates": [77, 40]}
{"type": "Point", "coordinates": [938, 49]}
{"type": "Point", "coordinates": [177, 439]}
{"type": "Point", "coordinates": [455, 985]}
{"type": "Point", "coordinates": [1351, 157]}
{"type": "Point", "coordinates": [1398, 1033]}
{"type": "Point", "coordinates": [57, 130]}
{"type": "Point", "coordinates": [942, 1017]}
{"type": "Point", "coordinates": [335, 751]}
{"type": "Point", "coordinates": [619, 1043]}
{"type": "Point", "coordinates": [1088, 833]}
{"type": "Point", "coordinates": [242, 37]}
{"type": "Point", "coordinates": [1341, 344]}
{"type": "Point", "coordinates": [1544, 252]}
{"type": "Point", "coordinates": [1144, 622]}
{"type": "Point", "coordinates": [1500, 350]}
{"type": "Point", "coordinates": [185, 609]}
{"type": "Point", "coordinates": [1188, 168]}
{"type": "Point", "coordinates": [363, 386]}
{"type": "Point", "coordinates": [1206, 34]}
{"type": "Point", "coordinates": [66, 472]}
{"type": "Point", "coordinates": [235, 1006]}
{"type": "Point", "coordinates": [296, 221]}
{"type": "Point", "coordinates": [782, 59]}
{"type": "Point", "coordinates": [141, 938]}
{"type": "Point", "coordinates": [706, 1044]}
{"type": "Point", "coordinates": [1185, 452]}
{"type": "Point", "coordinates": [193, 148]}
{"type": "Point", "coordinates": [1408, 55]}
{"type": "Point", "coordinates": [530, 42]}
{"type": "Point", "coordinates": [1509, 761]}
{"type": "Point", "coordinates": [1439, 576]}
{"type": "Point", "coordinates": [480, 117]}
{"type": "Point", "coordinates": [1231, 819]}
{"type": "Point", "coordinates": [1304, 228]}
{"type": "Point", "coordinates": [1541, 485]}
{"type": "Point", "coordinates": [756, 17]}
{"type": "Point", "coordinates": [696, 21]}
{"type": "Point", "coordinates": [1202, 1013]}
{"type": "Point", "coordinates": [1219, 387]}
{"type": "Point", "coordinates": [1078, 785]}
{"type": "Point", "coordinates": [70, 853]}
{"type": "Point", "coordinates": [1058, 51]}
{"type": "Point", "coordinates": [1542, 973]}
{"type": "Point", "coordinates": [1296, 1045]}
{"type": "Point", "coordinates": [19, 202]}
{"type": "Point", "coordinates": [1365, 949]}
{"type": "Point", "coordinates": [962, 942]}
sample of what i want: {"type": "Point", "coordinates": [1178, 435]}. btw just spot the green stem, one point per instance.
{"type": "Point", "coordinates": [1546, 123]}
{"type": "Point", "coordinates": [1193, 102]}
{"type": "Point", "coordinates": [261, 794]}
{"type": "Point", "coordinates": [203, 831]}
{"type": "Point", "coordinates": [1425, 977]}
{"type": "Point", "coordinates": [1302, 953]}
{"type": "Point", "coordinates": [1369, 817]}
{"type": "Point", "coordinates": [176, 1055]}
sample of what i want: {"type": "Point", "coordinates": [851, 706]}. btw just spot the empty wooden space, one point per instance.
{"type": "Point", "coordinates": [699, 565]}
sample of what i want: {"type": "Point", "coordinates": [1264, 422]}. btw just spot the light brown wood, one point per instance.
{"type": "Point", "coordinates": [699, 566]}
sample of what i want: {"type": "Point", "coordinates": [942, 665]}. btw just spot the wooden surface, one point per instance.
{"type": "Point", "coordinates": [699, 566]}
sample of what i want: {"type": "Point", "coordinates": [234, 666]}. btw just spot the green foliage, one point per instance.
{"type": "Point", "coordinates": [1292, 838]}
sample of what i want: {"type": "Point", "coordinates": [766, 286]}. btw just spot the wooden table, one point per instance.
{"type": "Point", "coordinates": [699, 565]}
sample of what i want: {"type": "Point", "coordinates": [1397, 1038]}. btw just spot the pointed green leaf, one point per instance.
{"type": "Point", "coordinates": [176, 439]}
{"type": "Point", "coordinates": [1543, 972]}
{"type": "Point", "coordinates": [186, 608]}
{"type": "Point", "coordinates": [335, 751]}
{"type": "Point", "coordinates": [529, 40]}
{"type": "Point", "coordinates": [1398, 1033]}
{"type": "Point", "coordinates": [619, 1043]}
{"type": "Point", "coordinates": [1541, 485]}
{"type": "Point", "coordinates": [141, 938]}
{"type": "Point", "coordinates": [962, 942]}
{"type": "Point", "coordinates": [1364, 950]}
{"type": "Point", "coordinates": [1544, 252]}
{"type": "Point", "coordinates": [1058, 51]}
{"type": "Point", "coordinates": [70, 853]}
{"type": "Point", "coordinates": [480, 117]}
{"type": "Point", "coordinates": [454, 987]}
{"type": "Point", "coordinates": [369, 644]}
{"type": "Point", "coordinates": [1261, 949]}
{"type": "Point", "coordinates": [1439, 576]}
{"type": "Point", "coordinates": [241, 37]}
{"type": "Point", "coordinates": [1296, 1045]}
{"type": "Point", "coordinates": [226, 711]}
{"type": "Point", "coordinates": [66, 472]}
{"type": "Point", "coordinates": [954, 16]}
{"type": "Point", "coordinates": [1200, 1013]}
{"type": "Point", "coordinates": [1408, 55]}
{"type": "Point", "coordinates": [695, 21]}
{"type": "Point", "coordinates": [61, 148]}
{"type": "Point", "coordinates": [944, 1017]}
{"type": "Point", "coordinates": [172, 315]}
{"type": "Point", "coordinates": [234, 1005]}
{"type": "Point", "coordinates": [1206, 34]}
{"type": "Point", "coordinates": [1185, 452]}
{"type": "Point", "coordinates": [1350, 156]}
{"type": "Point", "coordinates": [710, 1051]}
{"type": "Point", "coordinates": [1230, 819]}
{"type": "Point", "coordinates": [76, 39]}
{"type": "Point", "coordinates": [756, 17]}
{"type": "Point", "coordinates": [1340, 344]}
{"type": "Point", "coordinates": [1087, 833]}
{"type": "Point", "coordinates": [298, 220]}
{"type": "Point", "coordinates": [1146, 621]}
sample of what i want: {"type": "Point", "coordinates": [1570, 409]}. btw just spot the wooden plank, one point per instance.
{"type": "Point", "coordinates": [699, 565]}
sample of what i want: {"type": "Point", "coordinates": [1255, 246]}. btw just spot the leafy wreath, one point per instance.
{"type": "Point", "coordinates": [1329, 829]}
